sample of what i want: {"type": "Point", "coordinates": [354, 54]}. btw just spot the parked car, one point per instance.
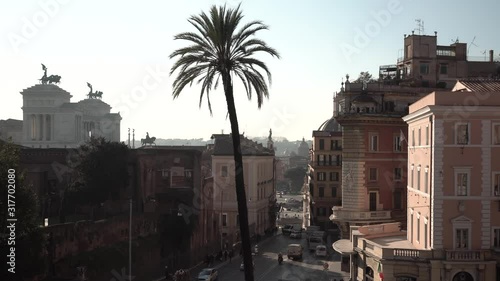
{"type": "Point", "coordinates": [321, 251]}
{"type": "Point", "coordinates": [208, 274]}
{"type": "Point", "coordinates": [297, 234]}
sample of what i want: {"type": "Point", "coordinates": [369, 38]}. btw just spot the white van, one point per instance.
{"type": "Point", "coordinates": [295, 252]}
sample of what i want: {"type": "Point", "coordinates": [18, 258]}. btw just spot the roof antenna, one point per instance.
{"type": "Point", "coordinates": [470, 44]}
{"type": "Point", "coordinates": [420, 27]}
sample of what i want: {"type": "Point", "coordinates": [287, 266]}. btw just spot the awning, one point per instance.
{"type": "Point", "coordinates": [343, 247]}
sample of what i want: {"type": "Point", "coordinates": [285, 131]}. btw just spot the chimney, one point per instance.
{"type": "Point", "coordinates": [491, 55]}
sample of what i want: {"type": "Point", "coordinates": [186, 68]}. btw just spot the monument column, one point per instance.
{"type": "Point", "coordinates": [53, 126]}
{"type": "Point", "coordinates": [40, 126]}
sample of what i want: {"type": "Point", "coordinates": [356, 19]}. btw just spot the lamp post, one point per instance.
{"type": "Point", "coordinates": [221, 216]}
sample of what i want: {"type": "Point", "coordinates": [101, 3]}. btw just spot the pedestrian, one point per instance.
{"type": "Point", "coordinates": [225, 255]}
{"type": "Point", "coordinates": [231, 253]}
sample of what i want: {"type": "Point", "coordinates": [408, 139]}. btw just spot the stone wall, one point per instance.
{"type": "Point", "coordinates": [73, 238]}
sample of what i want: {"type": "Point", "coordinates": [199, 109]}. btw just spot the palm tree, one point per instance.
{"type": "Point", "coordinates": [219, 51]}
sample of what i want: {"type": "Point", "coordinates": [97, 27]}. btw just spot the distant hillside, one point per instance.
{"type": "Point", "coordinates": [282, 145]}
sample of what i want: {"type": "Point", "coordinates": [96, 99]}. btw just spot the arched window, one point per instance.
{"type": "Point", "coordinates": [406, 278]}
{"type": "Point", "coordinates": [463, 276]}
{"type": "Point", "coordinates": [369, 274]}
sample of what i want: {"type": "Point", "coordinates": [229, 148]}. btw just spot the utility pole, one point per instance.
{"type": "Point", "coordinates": [130, 243]}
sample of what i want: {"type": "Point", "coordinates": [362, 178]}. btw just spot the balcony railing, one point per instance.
{"type": "Point", "coordinates": [322, 163]}
{"type": "Point", "coordinates": [340, 214]}
{"type": "Point", "coordinates": [388, 253]}
{"type": "Point", "coordinates": [460, 255]}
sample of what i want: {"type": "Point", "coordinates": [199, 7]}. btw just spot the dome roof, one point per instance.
{"type": "Point", "coordinates": [330, 125]}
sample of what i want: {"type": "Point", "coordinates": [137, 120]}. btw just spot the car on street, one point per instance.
{"type": "Point", "coordinates": [321, 251]}
{"type": "Point", "coordinates": [295, 251]}
{"type": "Point", "coordinates": [297, 234]}
{"type": "Point", "coordinates": [208, 274]}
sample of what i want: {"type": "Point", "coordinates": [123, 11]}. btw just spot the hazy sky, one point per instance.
{"type": "Point", "coordinates": [122, 47]}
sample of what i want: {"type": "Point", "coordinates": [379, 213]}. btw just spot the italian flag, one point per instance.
{"type": "Point", "coordinates": [380, 273]}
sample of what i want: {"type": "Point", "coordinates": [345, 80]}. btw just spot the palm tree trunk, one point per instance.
{"type": "Point", "coordinates": [240, 184]}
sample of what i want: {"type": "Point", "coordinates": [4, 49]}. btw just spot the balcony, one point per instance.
{"type": "Point", "coordinates": [325, 163]}
{"type": "Point", "coordinates": [390, 252]}
{"type": "Point", "coordinates": [465, 255]}
{"type": "Point", "coordinates": [339, 214]}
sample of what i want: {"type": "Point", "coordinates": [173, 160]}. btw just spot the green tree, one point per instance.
{"type": "Point", "coordinates": [217, 51]}
{"type": "Point", "coordinates": [102, 172]}
{"type": "Point", "coordinates": [364, 77]}
{"type": "Point", "coordinates": [29, 243]}
{"type": "Point", "coordinates": [296, 176]}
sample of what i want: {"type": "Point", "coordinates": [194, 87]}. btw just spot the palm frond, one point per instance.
{"type": "Point", "coordinates": [221, 46]}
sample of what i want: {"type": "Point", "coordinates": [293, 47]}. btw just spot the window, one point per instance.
{"type": "Point", "coordinates": [443, 69]}
{"type": "Point", "coordinates": [418, 177]}
{"type": "Point", "coordinates": [321, 144]}
{"type": "Point", "coordinates": [424, 68]}
{"type": "Point", "coordinates": [413, 137]}
{"type": "Point", "coordinates": [419, 137]}
{"type": "Point", "coordinates": [373, 174]}
{"type": "Point", "coordinates": [496, 134]}
{"type": "Point", "coordinates": [338, 160]}
{"type": "Point", "coordinates": [426, 180]}
{"type": "Point", "coordinates": [496, 183]}
{"type": "Point", "coordinates": [373, 143]}
{"type": "Point", "coordinates": [334, 191]}
{"type": "Point", "coordinates": [397, 173]}
{"type": "Point", "coordinates": [397, 143]}
{"type": "Point", "coordinates": [334, 176]}
{"type": "Point", "coordinates": [398, 200]}
{"type": "Point", "coordinates": [411, 178]}
{"type": "Point", "coordinates": [418, 227]}
{"type": "Point", "coordinates": [462, 133]}
{"type": "Point", "coordinates": [425, 233]}
{"type": "Point", "coordinates": [427, 135]}
{"type": "Point", "coordinates": [334, 145]}
{"type": "Point", "coordinates": [496, 238]}
{"type": "Point", "coordinates": [224, 219]}
{"type": "Point", "coordinates": [164, 173]}
{"type": "Point", "coordinates": [224, 171]}
{"type": "Point", "coordinates": [461, 183]}
{"type": "Point", "coordinates": [321, 191]}
{"type": "Point", "coordinates": [321, 160]}
{"type": "Point", "coordinates": [411, 225]}
{"type": "Point", "coordinates": [321, 176]}
{"type": "Point", "coordinates": [462, 238]}
{"type": "Point", "coordinates": [311, 189]}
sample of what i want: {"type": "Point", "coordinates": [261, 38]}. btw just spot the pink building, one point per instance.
{"type": "Point", "coordinates": [453, 201]}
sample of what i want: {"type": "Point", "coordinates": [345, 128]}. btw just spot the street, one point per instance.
{"type": "Point", "coordinates": [266, 261]}
{"type": "Point", "coordinates": [267, 267]}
